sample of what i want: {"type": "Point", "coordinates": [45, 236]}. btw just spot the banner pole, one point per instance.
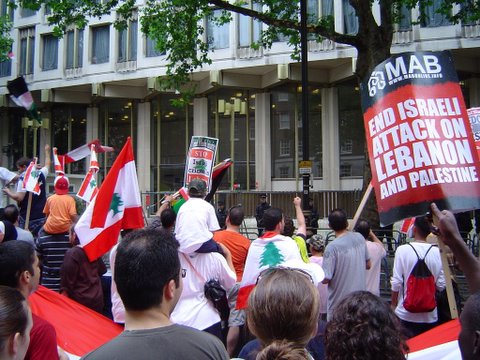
{"type": "Point", "coordinates": [29, 207]}
{"type": "Point", "coordinates": [452, 303]}
{"type": "Point", "coordinates": [368, 191]}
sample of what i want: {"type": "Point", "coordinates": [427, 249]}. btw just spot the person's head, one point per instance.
{"type": "Point", "coordinates": [61, 185]}
{"type": "Point", "coordinates": [197, 188]}
{"type": "Point", "coordinates": [263, 198]}
{"type": "Point", "coordinates": [364, 327]}
{"type": "Point", "coordinates": [72, 235]}
{"type": "Point", "coordinates": [147, 269]}
{"type": "Point", "coordinates": [10, 213]}
{"type": "Point", "coordinates": [168, 218]}
{"type": "Point", "coordinates": [288, 227]}
{"type": "Point", "coordinates": [316, 244]}
{"type": "Point", "coordinates": [23, 163]}
{"type": "Point", "coordinates": [15, 324]}
{"type": "Point", "coordinates": [469, 337]}
{"type": "Point", "coordinates": [337, 220]}
{"type": "Point", "coordinates": [221, 205]}
{"type": "Point", "coordinates": [271, 218]}
{"type": "Point", "coordinates": [235, 215]}
{"type": "Point", "coordinates": [421, 227]}
{"type": "Point", "coordinates": [363, 227]}
{"type": "Point", "coordinates": [283, 311]}
{"type": "Point", "coordinates": [8, 231]}
{"type": "Point", "coordinates": [19, 266]}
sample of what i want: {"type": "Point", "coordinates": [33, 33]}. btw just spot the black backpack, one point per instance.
{"type": "Point", "coordinates": [420, 287]}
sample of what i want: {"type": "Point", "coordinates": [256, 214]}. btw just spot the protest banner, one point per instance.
{"type": "Point", "coordinates": [200, 159]}
{"type": "Point", "coordinates": [474, 117]}
{"type": "Point", "coordinates": [419, 138]}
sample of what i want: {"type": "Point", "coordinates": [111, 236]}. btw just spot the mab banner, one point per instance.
{"type": "Point", "coordinates": [419, 138]}
{"type": "Point", "coordinates": [200, 159]}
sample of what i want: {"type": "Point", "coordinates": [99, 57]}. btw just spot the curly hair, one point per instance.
{"type": "Point", "coordinates": [363, 327]}
{"type": "Point", "coordinates": [283, 350]}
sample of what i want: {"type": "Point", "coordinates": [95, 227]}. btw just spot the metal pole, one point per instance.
{"type": "Point", "coordinates": [305, 108]}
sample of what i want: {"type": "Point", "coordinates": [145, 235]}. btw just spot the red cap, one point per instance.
{"type": "Point", "coordinates": [61, 185]}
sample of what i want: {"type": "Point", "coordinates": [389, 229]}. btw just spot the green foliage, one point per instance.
{"type": "Point", "coordinates": [5, 40]}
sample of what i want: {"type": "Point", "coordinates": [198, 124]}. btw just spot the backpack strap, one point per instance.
{"type": "Point", "coordinates": [418, 257]}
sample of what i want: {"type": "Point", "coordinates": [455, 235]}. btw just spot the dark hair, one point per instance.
{"type": "Point", "coordinates": [236, 215]}
{"type": "Point", "coordinates": [11, 213]}
{"type": "Point", "coordinates": [167, 218]}
{"type": "Point", "coordinates": [337, 220]}
{"type": "Point", "coordinates": [283, 311]}
{"type": "Point", "coordinates": [146, 261]}
{"type": "Point", "coordinates": [13, 314]}
{"type": "Point", "coordinates": [15, 257]}
{"type": "Point", "coordinates": [288, 228]}
{"type": "Point", "coordinates": [23, 161]}
{"type": "Point", "coordinates": [363, 227]}
{"type": "Point", "coordinates": [271, 218]}
{"type": "Point", "coordinates": [423, 226]}
{"type": "Point", "coordinates": [364, 327]}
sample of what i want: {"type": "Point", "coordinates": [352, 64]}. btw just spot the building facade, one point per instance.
{"type": "Point", "coordinates": [102, 83]}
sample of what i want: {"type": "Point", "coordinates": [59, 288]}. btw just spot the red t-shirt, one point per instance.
{"type": "Point", "coordinates": [43, 340]}
{"type": "Point", "coordinates": [238, 246]}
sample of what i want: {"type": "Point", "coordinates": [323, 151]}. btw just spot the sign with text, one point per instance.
{"type": "Point", "coordinates": [419, 138]}
{"type": "Point", "coordinates": [474, 116]}
{"type": "Point", "coordinates": [200, 159]}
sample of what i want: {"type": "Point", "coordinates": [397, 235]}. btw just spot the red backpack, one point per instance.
{"type": "Point", "coordinates": [420, 287]}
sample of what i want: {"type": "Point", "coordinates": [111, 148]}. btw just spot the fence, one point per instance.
{"type": "Point", "coordinates": [324, 201]}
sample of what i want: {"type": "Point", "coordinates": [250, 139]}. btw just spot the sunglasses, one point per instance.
{"type": "Point", "coordinates": [272, 270]}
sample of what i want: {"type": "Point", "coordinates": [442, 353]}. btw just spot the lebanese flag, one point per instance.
{"type": "Point", "coordinates": [272, 249]}
{"type": "Point", "coordinates": [179, 201]}
{"type": "Point", "coordinates": [89, 188]}
{"type": "Point", "coordinates": [59, 163]}
{"type": "Point", "coordinates": [83, 151]}
{"type": "Point", "coordinates": [30, 180]}
{"type": "Point", "coordinates": [117, 206]}
{"type": "Point", "coordinates": [406, 225]}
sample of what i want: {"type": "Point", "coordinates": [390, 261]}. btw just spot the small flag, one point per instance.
{"type": "Point", "coordinates": [178, 202]}
{"type": "Point", "coordinates": [21, 96]}
{"type": "Point", "coordinates": [406, 225]}
{"type": "Point", "coordinates": [89, 188]}
{"type": "Point", "coordinates": [30, 180]}
{"type": "Point", "coordinates": [59, 163]}
{"type": "Point", "coordinates": [117, 206]}
{"type": "Point", "coordinates": [83, 151]}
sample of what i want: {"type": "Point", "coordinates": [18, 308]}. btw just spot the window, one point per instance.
{"type": "Point", "coordinates": [249, 30]}
{"type": "Point", "coordinates": [74, 45]}
{"type": "Point", "coordinates": [27, 51]}
{"type": "Point", "coordinates": [346, 147]}
{"type": "Point", "coordinates": [218, 36]}
{"type": "Point", "coordinates": [284, 147]}
{"type": "Point", "coordinates": [6, 10]}
{"type": "Point", "coordinates": [284, 121]}
{"type": "Point", "coordinates": [405, 23]}
{"type": "Point", "coordinates": [151, 49]}
{"type": "Point", "coordinates": [100, 44]}
{"type": "Point", "coordinates": [284, 172]}
{"type": "Point", "coordinates": [50, 52]}
{"type": "Point", "coordinates": [350, 18]}
{"type": "Point", "coordinates": [24, 12]}
{"type": "Point", "coordinates": [127, 42]}
{"type": "Point", "coordinates": [345, 170]}
{"type": "Point", "coordinates": [431, 17]}
{"type": "Point", "coordinates": [6, 68]}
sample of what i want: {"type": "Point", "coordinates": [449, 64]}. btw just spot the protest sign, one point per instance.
{"type": "Point", "coordinates": [200, 159]}
{"type": "Point", "coordinates": [474, 117]}
{"type": "Point", "coordinates": [419, 138]}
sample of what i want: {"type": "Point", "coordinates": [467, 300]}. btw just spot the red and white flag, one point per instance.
{"type": "Point", "coordinates": [117, 206]}
{"type": "Point", "coordinates": [30, 180]}
{"type": "Point", "coordinates": [59, 163]}
{"type": "Point", "coordinates": [89, 188]}
{"type": "Point", "coordinates": [83, 151]}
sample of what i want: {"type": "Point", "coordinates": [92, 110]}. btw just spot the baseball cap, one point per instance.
{"type": "Point", "coordinates": [263, 196]}
{"type": "Point", "coordinates": [317, 242]}
{"type": "Point", "coordinates": [197, 186]}
{"type": "Point", "coordinates": [61, 185]}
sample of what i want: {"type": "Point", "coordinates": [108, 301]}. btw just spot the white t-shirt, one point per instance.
{"type": "Point", "coordinates": [372, 276]}
{"type": "Point", "coordinates": [5, 177]}
{"type": "Point", "coordinates": [118, 309]}
{"type": "Point", "coordinates": [193, 309]}
{"type": "Point", "coordinates": [405, 260]}
{"type": "Point", "coordinates": [195, 222]}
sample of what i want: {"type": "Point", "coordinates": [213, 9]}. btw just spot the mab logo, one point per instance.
{"type": "Point", "coordinates": [376, 82]}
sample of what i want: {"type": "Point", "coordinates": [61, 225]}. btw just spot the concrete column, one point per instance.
{"type": "Point", "coordinates": [92, 124]}
{"type": "Point", "coordinates": [263, 161]}
{"type": "Point", "coordinates": [143, 146]}
{"type": "Point", "coordinates": [474, 91]}
{"type": "Point", "coordinates": [200, 116]}
{"type": "Point", "coordinates": [330, 140]}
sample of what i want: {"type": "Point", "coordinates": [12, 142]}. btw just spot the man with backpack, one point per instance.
{"type": "Point", "coordinates": [417, 274]}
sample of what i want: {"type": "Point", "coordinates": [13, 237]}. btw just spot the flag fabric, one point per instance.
{"type": "Point", "coordinates": [219, 171]}
{"type": "Point", "coordinates": [117, 206]}
{"type": "Point", "coordinates": [178, 202]}
{"type": "Point", "coordinates": [21, 96]}
{"type": "Point", "coordinates": [30, 180]}
{"type": "Point", "coordinates": [90, 331]}
{"type": "Point", "coordinates": [59, 163]}
{"type": "Point", "coordinates": [89, 188]}
{"type": "Point", "coordinates": [271, 250]}
{"type": "Point", "coordinates": [406, 225]}
{"type": "Point", "coordinates": [83, 151]}
{"type": "Point", "coordinates": [439, 343]}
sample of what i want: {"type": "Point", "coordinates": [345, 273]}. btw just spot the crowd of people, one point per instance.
{"type": "Point", "coordinates": [288, 294]}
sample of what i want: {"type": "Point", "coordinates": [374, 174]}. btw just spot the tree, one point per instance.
{"type": "Point", "coordinates": [177, 27]}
